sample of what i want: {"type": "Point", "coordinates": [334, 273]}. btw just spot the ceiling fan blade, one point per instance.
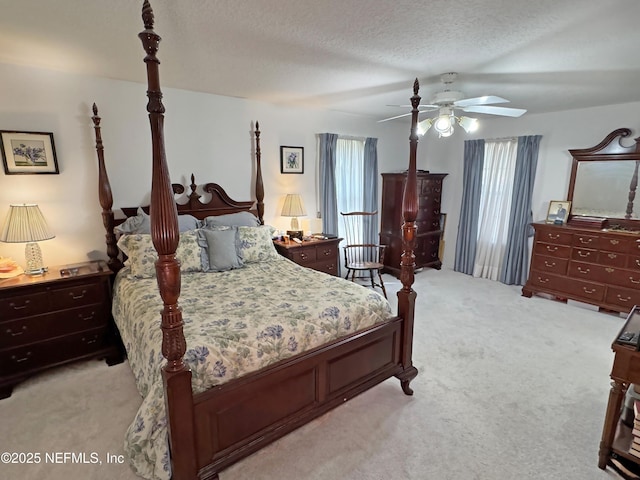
{"type": "Point", "coordinates": [410, 106]}
{"type": "Point", "coordinates": [393, 118]}
{"type": "Point", "coordinates": [486, 100]}
{"type": "Point", "coordinates": [403, 115]}
{"type": "Point", "coordinates": [490, 110]}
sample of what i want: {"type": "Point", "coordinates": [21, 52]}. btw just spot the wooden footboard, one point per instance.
{"type": "Point", "coordinates": [211, 430]}
{"type": "Point", "coordinates": [242, 416]}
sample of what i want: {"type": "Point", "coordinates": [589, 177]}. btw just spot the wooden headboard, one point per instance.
{"type": "Point", "coordinates": [220, 202]}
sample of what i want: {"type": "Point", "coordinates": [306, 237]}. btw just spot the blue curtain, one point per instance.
{"type": "Point", "coordinates": [328, 199]}
{"type": "Point", "coordinates": [370, 200]}
{"type": "Point", "coordinates": [470, 208]}
{"type": "Point", "coordinates": [515, 265]}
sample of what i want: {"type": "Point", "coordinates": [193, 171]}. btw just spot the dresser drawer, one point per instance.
{"type": "Point", "coordinates": [51, 352]}
{"type": "Point", "coordinates": [554, 236]}
{"type": "Point", "coordinates": [41, 327]}
{"type": "Point", "coordinates": [24, 305]}
{"type": "Point", "coordinates": [551, 250]}
{"type": "Point", "coordinates": [624, 297]}
{"type": "Point", "coordinates": [80, 294]}
{"type": "Point", "coordinates": [304, 256]}
{"type": "Point", "coordinates": [616, 244]}
{"type": "Point", "coordinates": [324, 252]}
{"type": "Point", "coordinates": [584, 255]}
{"type": "Point", "coordinates": [330, 267]}
{"type": "Point", "coordinates": [594, 273]}
{"type": "Point", "coordinates": [575, 287]}
{"type": "Point", "coordinates": [550, 264]}
{"type": "Point", "coordinates": [583, 240]}
{"type": "Point", "coordinates": [613, 259]}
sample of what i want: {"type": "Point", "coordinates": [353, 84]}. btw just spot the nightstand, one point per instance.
{"type": "Point", "coordinates": [55, 318]}
{"type": "Point", "coordinates": [321, 255]}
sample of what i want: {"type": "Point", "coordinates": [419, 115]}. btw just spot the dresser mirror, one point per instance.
{"type": "Point", "coordinates": [604, 180]}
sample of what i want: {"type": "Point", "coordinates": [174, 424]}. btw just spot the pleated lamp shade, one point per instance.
{"type": "Point", "coordinates": [294, 208]}
{"type": "Point", "coordinates": [26, 224]}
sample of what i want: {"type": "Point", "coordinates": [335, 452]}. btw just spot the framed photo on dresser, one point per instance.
{"type": "Point", "coordinates": [558, 212]}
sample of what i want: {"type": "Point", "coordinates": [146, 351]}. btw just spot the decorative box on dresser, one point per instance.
{"type": "Point", "coordinates": [599, 267]}
{"type": "Point", "coordinates": [428, 220]}
{"type": "Point", "coordinates": [55, 318]}
{"type": "Point", "coordinates": [318, 254]}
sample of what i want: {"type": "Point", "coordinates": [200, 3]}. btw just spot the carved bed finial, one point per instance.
{"type": "Point", "coordinates": [147, 15]}
{"type": "Point", "coordinates": [105, 197]}
{"type": "Point", "coordinates": [259, 183]}
{"type": "Point", "coordinates": [416, 86]}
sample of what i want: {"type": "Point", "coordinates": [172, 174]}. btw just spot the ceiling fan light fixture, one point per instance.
{"type": "Point", "coordinates": [444, 121]}
{"type": "Point", "coordinates": [469, 124]}
{"type": "Point", "coordinates": [446, 133]}
{"type": "Point", "coordinates": [424, 125]}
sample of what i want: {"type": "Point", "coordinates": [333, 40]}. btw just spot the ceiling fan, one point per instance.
{"type": "Point", "coordinates": [448, 100]}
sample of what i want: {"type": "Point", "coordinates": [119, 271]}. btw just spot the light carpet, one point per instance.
{"type": "Point", "coordinates": [509, 388]}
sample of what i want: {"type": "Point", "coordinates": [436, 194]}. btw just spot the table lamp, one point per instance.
{"type": "Point", "coordinates": [26, 224]}
{"type": "Point", "coordinates": [293, 208]}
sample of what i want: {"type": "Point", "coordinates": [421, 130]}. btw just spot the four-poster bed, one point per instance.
{"type": "Point", "coordinates": [213, 423]}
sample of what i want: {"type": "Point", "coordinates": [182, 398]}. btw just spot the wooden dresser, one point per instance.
{"type": "Point", "coordinates": [55, 318]}
{"type": "Point", "coordinates": [321, 255]}
{"type": "Point", "coordinates": [428, 220]}
{"type": "Point", "coordinates": [600, 267]}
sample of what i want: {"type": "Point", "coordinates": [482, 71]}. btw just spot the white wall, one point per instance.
{"type": "Point", "coordinates": [560, 132]}
{"type": "Point", "coordinates": [207, 135]}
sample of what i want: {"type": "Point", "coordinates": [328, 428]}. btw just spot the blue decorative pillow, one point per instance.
{"type": "Point", "coordinates": [141, 223]}
{"type": "Point", "coordinates": [220, 250]}
{"type": "Point", "coordinates": [240, 219]}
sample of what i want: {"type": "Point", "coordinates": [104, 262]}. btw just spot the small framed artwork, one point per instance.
{"type": "Point", "coordinates": [28, 152]}
{"type": "Point", "coordinates": [558, 211]}
{"type": "Point", "coordinates": [291, 159]}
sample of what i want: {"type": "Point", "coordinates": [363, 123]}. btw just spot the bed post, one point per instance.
{"type": "Point", "coordinates": [259, 184]}
{"type": "Point", "coordinates": [165, 235]}
{"type": "Point", "coordinates": [106, 197]}
{"type": "Point", "coordinates": [407, 296]}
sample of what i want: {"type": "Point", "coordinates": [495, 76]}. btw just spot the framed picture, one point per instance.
{"type": "Point", "coordinates": [291, 159]}
{"type": "Point", "coordinates": [28, 152]}
{"type": "Point", "coordinates": [558, 211]}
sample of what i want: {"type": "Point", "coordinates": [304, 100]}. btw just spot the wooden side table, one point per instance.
{"type": "Point", "coordinates": [55, 318]}
{"type": "Point", "coordinates": [616, 435]}
{"type": "Point", "coordinates": [321, 255]}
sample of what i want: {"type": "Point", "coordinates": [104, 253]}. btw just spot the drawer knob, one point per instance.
{"type": "Point", "coordinates": [612, 256]}
{"type": "Point", "coordinates": [90, 340]}
{"type": "Point", "coordinates": [22, 359]}
{"type": "Point", "coordinates": [632, 280]}
{"type": "Point", "coordinates": [19, 332]}
{"type": "Point", "coordinates": [626, 299]}
{"type": "Point", "coordinates": [549, 264]}
{"type": "Point", "coordinates": [77, 297]}
{"type": "Point", "coordinates": [583, 254]}
{"type": "Point", "coordinates": [20, 307]}
{"type": "Point", "coordinates": [589, 240]}
{"type": "Point", "coordinates": [326, 253]}
{"type": "Point", "coordinates": [614, 241]}
{"type": "Point", "coordinates": [543, 280]}
{"type": "Point", "coordinates": [589, 290]}
{"type": "Point", "coordinates": [553, 237]}
{"type": "Point", "coordinates": [609, 270]}
{"type": "Point", "coordinates": [303, 255]}
{"type": "Point", "coordinates": [585, 271]}
{"type": "Point", "coordinates": [87, 318]}
{"type": "Point", "coordinates": [552, 249]}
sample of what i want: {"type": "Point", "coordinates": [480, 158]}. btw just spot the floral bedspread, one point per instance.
{"type": "Point", "coordinates": [235, 322]}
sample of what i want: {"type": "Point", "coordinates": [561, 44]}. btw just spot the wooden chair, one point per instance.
{"type": "Point", "coordinates": [359, 256]}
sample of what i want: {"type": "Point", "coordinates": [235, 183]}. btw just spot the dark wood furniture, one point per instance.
{"type": "Point", "coordinates": [52, 319]}
{"type": "Point", "coordinates": [600, 267]}
{"type": "Point", "coordinates": [428, 220]}
{"type": "Point", "coordinates": [214, 429]}
{"type": "Point", "coordinates": [321, 255]}
{"type": "Point", "coordinates": [616, 435]}
{"type": "Point", "coordinates": [592, 259]}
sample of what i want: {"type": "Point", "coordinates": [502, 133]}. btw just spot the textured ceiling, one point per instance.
{"type": "Point", "coordinates": [353, 56]}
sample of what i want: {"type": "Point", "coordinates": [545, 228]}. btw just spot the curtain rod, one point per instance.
{"type": "Point", "coordinates": [500, 139]}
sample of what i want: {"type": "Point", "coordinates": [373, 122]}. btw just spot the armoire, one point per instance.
{"type": "Point", "coordinates": [429, 220]}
